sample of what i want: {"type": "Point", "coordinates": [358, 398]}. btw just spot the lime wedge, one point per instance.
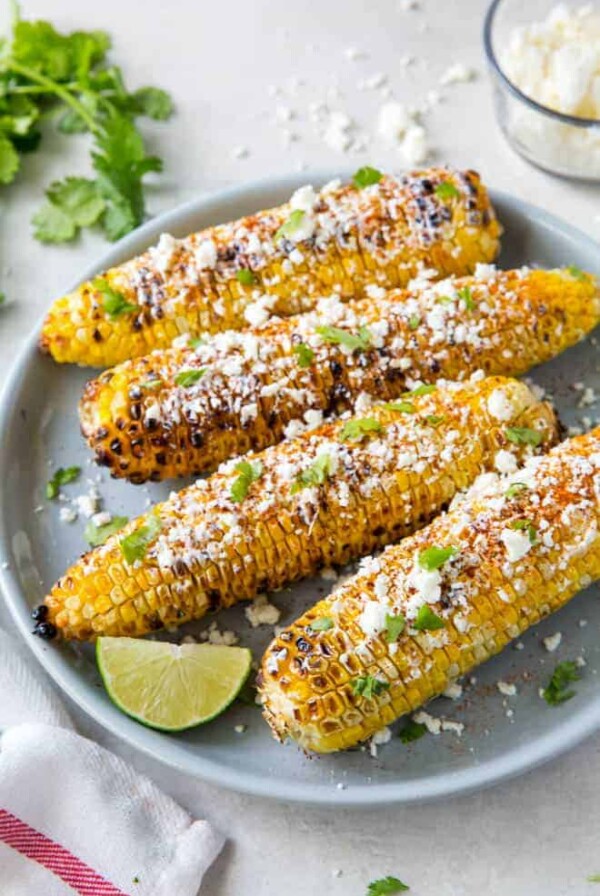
{"type": "Point", "coordinates": [169, 686]}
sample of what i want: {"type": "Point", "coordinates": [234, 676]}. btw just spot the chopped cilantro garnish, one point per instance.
{"type": "Point", "coordinates": [446, 190]}
{"type": "Point", "coordinates": [394, 626]}
{"type": "Point", "coordinates": [557, 691]}
{"type": "Point", "coordinates": [444, 300]}
{"type": "Point", "coordinates": [135, 545]}
{"type": "Point", "coordinates": [247, 474]}
{"type": "Point", "coordinates": [386, 886]}
{"type": "Point", "coordinates": [151, 384]}
{"type": "Point", "coordinates": [358, 429]}
{"type": "Point", "coordinates": [413, 321]}
{"type": "Point", "coordinates": [435, 557]}
{"type": "Point", "coordinates": [114, 303]}
{"type": "Point", "coordinates": [187, 378]}
{"type": "Point", "coordinates": [304, 354]}
{"type": "Point", "coordinates": [366, 177]}
{"type": "Point", "coordinates": [291, 225]}
{"type": "Point", "coordinates": [355, 341]}
{"type": "Point", "coordinates": [412, 731]}
{"type": "Point", "coordinates": [577, 273]}
{"type": "Point", "coordinates": [314, 475]}
{"type": "Point", "coordinates": [523, 435]}
{"type": "Point", "coordinates": [368, 686]}
{"type": "Point", "coordinates": [515, 489]}
{"type": "Point", "coordinates": [246, 277]}
{"type": "Point", "coordinates": [322, 624]}
{"type": "Point", "coordinates": [593, 879]}
{"type": "Point", "coordinates": [528, 526]}
{"type": "Point", "coordinates": [44, 72]}
{"type": "Point", "coordinates": [434, 419]}
{"type": "Point", "coordinates": [425, 389]}
{"type": "Point", "coordinates": [197, 341]}
{"type": "Point", "coordinates": [96, 535]}
{"type": "Point", "coordinates": [467, 296]}
{"type": "Point", "coordinates": [427, 620]}
{"type": "Point", "coordinates": [402, 407]}
{"type": "Point", "coordinates": [63, 476]}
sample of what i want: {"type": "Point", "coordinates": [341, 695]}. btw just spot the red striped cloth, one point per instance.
{"type": "Point", "coordinates": [36, 846]}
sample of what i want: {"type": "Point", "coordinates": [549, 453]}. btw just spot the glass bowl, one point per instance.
{"type": "Point", "coordinates": [559, 143]}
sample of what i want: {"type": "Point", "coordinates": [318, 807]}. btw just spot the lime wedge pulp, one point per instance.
{"type": "Point", "coordinates": [169, 686]}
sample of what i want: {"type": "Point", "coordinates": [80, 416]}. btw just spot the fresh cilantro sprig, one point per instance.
{"type": "Point", "coordinates": [97, 535]}
{"type": "Point", "coordinates": [304, 354]}
{"type": "Point", "coordinates": [358, 342]}
{"type": "Point", "coordinates": [63, 476]}
{"type": "Point", "coordinates": [134, 546]}
{"type": "Point", "coordinates": [412, 731]}
{"type": "Point", "coordinates": [386, 886]}
{"type": "Point", "coordinates": [247, 474]}
{"type": "Point", "coordinates": [523, 435]}
{"type": "Point", "coordinates": [557, 690]}
{"type": "Point", "coordinates": [357, 429]}
{"type": "Point", "coordinates": [69, 78]}
{"type": "Point", "coordinates": [368, 686]}
{"type": "Point", "coordinates": [315, 475]}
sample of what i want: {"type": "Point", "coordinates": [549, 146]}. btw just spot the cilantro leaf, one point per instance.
{"type": "Point", "coordinates": [386, 886]}
{"type": "Point", "coordinates": [97, 535]}
{"type": "Point", "coordinates": [358, 429]}
{"type": "Point", "coordinates": [314, 475]}
{"type": "Point", "coordinates": [435, 557]}
{"type": "Point", "coordinates": [114, 303]}
{"type": "Point", "coordinates": [304, 354]}
{"type": "Point", "coordinates": [245, 276]}
{"type": "Point", "coordinates": [9, 160]}
{"type": "Point", "coordinates": [557, 690]}
{"type": "Point", "coordinates": [153, 102]}
{"type": "Point", "coordinates": [394, 626]}
{"type": "Point", "coordinates": [577, 273]}
{"type": "Point", "coordinates": [368, 687]}
{"type": "Point", "coordinates": [402, 407]}
{"type": "Point", "coordinates": [467, 296]}
{"type": "Point", "coordinates": [322, 624]}
{"type": "Point", "coordinates": [188, 378]}
{"type": "Point", "coordinates": [412, 731]}
{"type": "Point", "coordinates": [355, 342]}
{"type": "Point", "coordinates": [528, 526]}
{"type": "Point", "coordinates": [515, 489]}
{"type": "Point", "coordinates": [427, 620]}
{"type": "Point", "coordinates": [523, 435]}
{"type": "Point", "coordinates": [366, 177]}
{"type": "Point", "coordinates": [425, 389]}
{"type": "Point", "coordinates": [446, 190]}
{"type": "Point", "coordinates": [135, 545]}
{"type": "Point", "coordinates": [413, 322]}
{"type": "Point", "coordinates": [248, 473]}
{"type": "Point", "coordinates": [52, 225]}
{"type": "Point", "coordinates": [77, 197]}
{"type": "Point", "coordinates": [291, 225]}
{"type": "Point", "coordinates": [63, 476]}
{"type": "Point", "coordinates": [434, 419]}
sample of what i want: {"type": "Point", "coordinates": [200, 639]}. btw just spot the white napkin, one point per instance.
{"type": "Point", "coordinates": [74, 818]}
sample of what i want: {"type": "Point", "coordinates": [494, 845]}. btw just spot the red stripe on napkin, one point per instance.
{"type": "Point", "coordinates": [26, 840]}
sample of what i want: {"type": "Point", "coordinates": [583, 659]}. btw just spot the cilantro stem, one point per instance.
{"type": "Point", "coordinates": [58, 89]}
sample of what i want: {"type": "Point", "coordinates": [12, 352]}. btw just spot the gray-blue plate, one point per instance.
{"type": "Point", "coordinates": [39, 432]}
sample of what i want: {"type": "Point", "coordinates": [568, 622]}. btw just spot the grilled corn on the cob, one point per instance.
{"type": "Point", "coordinates": [278, 261]}
{"type": "Point", "coordinates": [464, 586]}
{"type": "Point", "coordinates": [321, 499]}
{"type": "Point", "coordinates": [185, 410]}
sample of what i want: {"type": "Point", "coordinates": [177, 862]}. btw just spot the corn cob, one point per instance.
{"type": "Point", "coordinates": [185, 410]}
{"type": "Point", "coordinates": [321, 499]}
{"type": "Point", "coordinates": [278, 261]}
{"type": "Point", "coordinates": [467, 584]}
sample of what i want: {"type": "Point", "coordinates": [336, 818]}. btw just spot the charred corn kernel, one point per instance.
{"type": "Point", "coordinates": [278, 261]}
{"type": "Point", "coordinates": [487, 570]}
{"type": "Point", "coordinates": [185, 410]}
{"type": "Point", "coordinates": [321, 499]}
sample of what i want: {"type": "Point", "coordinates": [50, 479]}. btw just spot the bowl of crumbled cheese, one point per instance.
{"type": "Point", "coordinates": [545, 64]}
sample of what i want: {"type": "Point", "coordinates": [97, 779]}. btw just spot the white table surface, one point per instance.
{"type": "Point", "coordinates": [536, 836]}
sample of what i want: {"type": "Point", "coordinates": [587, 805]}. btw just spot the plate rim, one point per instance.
{"type": "Point", "coordinates": [518, 760]}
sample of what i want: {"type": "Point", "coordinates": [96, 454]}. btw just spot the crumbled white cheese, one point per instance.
{"type": "Point", "coordinates": [67, 515]}
{"type": "Point", "coordinates": [102, 518]}
{"type": "Point", "coordinates": [381, 737]}
{"type": "Point", "coordinates": [454, 691]}
{"type": "Point", "coordinates": [214, 636]}
{"type": "Point", "coordinates": [164, 252]}
{"type": "Point", "coordinates": [393, 121]}
{"type": "Point", "coordinates": [552, 642]}
{"type": "Point", "coordinates": [372, 618]}
{"type": "Point", "coordinates": [506, 689]}
{"type": "Point", "coordinates": [304, 198]}
{"type": "Point", "coordinates": [415, 147]}
{"type": "Point", "coordinates": [500, 406]}
{"type": "Point", "coordinates": [261, 612]}
{"type": "Point", "coordinates": [505, 462]}
{"type": "Point", "coordinates": [516, 542]}
{"type": "Point", "coordinates": [457, 73]}
{"type": "Point", "coordinates": [240, 729]}
{"type": "Point", "coordinates": [205, 255]}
